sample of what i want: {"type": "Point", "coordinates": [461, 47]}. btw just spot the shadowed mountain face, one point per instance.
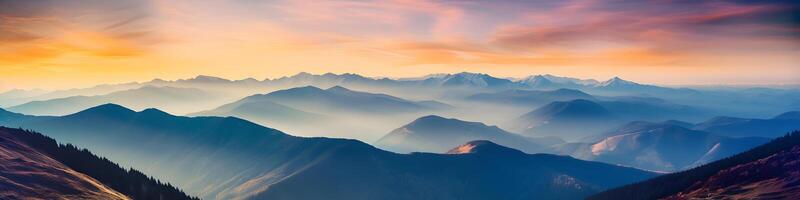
{"type": "Point", "coordinates": [769, 171]}
{"type": "Point", "coordinates": [180, 100]}
{"type": "Point", "coordinates": [224, 158]}
{"type": "Point", "coordinates": [511, 175]}
{"type": "Point", "coordinates": [26, 173]}
{"type": "Point", "coordinates": [483, 147]}
{"type": "Point", "coordinates": [572, 120]}
{"type": "Point", "coordinates": [742, 127]}
{"type": "Point", "coordinates": [13, 119]}
{"type": "Point", "coordinates": [437, 134]}
{"type": "Point", "coordinates": [659, 146]}
{"type": "Point", "coordinates": [569, 120]}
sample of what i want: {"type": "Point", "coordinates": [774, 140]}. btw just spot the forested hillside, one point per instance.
{"type": "Point", "coordinates": [672, 184]}
{"type": "Point", "coordinates": [131, 182]}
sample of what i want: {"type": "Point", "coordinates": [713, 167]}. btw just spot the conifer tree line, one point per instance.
{"type": "Point", "coordinates": [666, 185]}
{"type": "Point", "coordinates": [130, 182]}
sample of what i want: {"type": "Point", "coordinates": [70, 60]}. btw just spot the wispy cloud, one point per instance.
{"type": "Point", "coordinates": [393, 37]}
{"type": "Point", "coordinates": [39, 30]}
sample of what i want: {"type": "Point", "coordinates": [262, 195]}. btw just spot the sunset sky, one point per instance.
{"type": "Point", "coordinates": [61, 44]}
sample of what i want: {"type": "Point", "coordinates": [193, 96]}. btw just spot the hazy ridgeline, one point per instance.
{"type": "Point", "coordinates": [383, 105]}
{"type": "Point", "coordinates": [224, 158]}
{"type": "Point", "coordinates": [221, 139]}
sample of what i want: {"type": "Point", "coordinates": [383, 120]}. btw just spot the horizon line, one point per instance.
{"type": "Point", "coordinates": [398, 78]}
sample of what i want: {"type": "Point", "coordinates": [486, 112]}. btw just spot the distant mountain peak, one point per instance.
{"type": "Point", "coordinates": [158, 80]}
{"type": "Point", "coordinates": [436, 75]}
{"type": "Point", "coordinates": [616, 81]}
{"type": "Point", "coordinates": [154, 112]}
{"type": "Point", "coordinates": [538, 80]}
{"type": "Point", "coordinates": [205, 78]}
{"type": "Point", "coordinates": [248, 80]}
{"type": "Point", "coordinates": [438, 134]}
{"type": "Point", "coordinates": [470, 74]}
{"type": "Point", "coordinates": [548, 80]}
{"type": "Point", "coordinates": [338, 89]}
{"type": "Point", "coordinates": [483, 147]}
{"type": "Point", "coordinates": [431, 120]}
{"type": "Point", "coordinates": [430, 117]}
{"type": "Point", "coordinates": [109, 108]}
{"type": "Point", "coordinates": [305, 88]}
{"type": "Point", "coordinates": [468, 79]}
{"type": "Point", "coordinates": [565, 111]}
{"type": "Point", "coordinates": [439, 121]}
{"type": "Point", "coordinates": [301, 75]}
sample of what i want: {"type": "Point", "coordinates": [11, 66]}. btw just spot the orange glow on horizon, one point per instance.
{"type": "Point", "coordinates": [171, 40]}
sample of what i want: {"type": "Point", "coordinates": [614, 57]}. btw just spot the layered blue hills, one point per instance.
{"type": "Point", "coordinates": [226, 157]}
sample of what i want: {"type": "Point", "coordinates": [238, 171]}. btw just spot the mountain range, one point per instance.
{"type": "Point", "coordinates": [225, 157]}
{"type": "Point", "coordinates": [676, 145]}
{"type": "Point", "coordinates": [174, 99]}
{"type": "Point", "coordinates": [664, 146]}
{"type": "Point", "coordinates": [769, 171]}
{"type": "Point", "coordinates": [560, 118]}
{"type": "Point", "coordinates": [310, 110]}
{"type": "Point", "coordinates": [438, 134]}
{"type": "Point", "coordinates": [463, 79]}
{"type": "Point", "coordinates": [718, 101]}
{"type": "Point", "coordinates": [340, 99]}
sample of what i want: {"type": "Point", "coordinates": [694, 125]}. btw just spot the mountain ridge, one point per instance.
{"type": "Point", "coordinates": [253, 161]}
{"type": "Point", "coordinates": [693, 182]}
{"type": "Point", "coordinates": [438, 134]}
{"type": "Point", "coordinates": [165, 97]}
{"type": "Point", "coordinates": [45, 155]}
